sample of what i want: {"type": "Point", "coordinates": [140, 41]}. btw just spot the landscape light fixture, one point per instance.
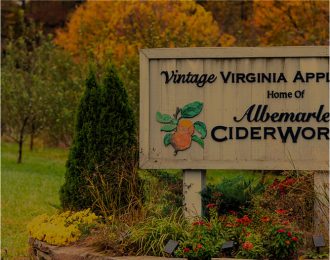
{"type": "Point", "coordinates": [318, 241]}
{"type": "Point", "coordinates": [227, 247]}
{"type": "Point", "coordinates": [171, 246]}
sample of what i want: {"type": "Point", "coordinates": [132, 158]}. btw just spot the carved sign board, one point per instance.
{"type": "Point", "coordinates": [234, 108]}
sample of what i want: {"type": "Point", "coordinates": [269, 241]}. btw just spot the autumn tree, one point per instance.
{"type": "Point", "coordinates": [234, 19]}
{"type": "Point", "coordinates": [120, 28]}
{"type": "Point", "coordinates": [266, 23]}
{"type": "Point", "coordinates": [291, 22]}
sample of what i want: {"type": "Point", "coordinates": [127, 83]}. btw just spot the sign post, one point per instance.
{"type": "Point", "coordinates": [233, 108]}
{"type": "Point", "coordinates": [193, 183]}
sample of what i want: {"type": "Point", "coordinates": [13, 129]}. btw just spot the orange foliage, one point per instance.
{"type": "Point", "coordinates": [97, 28]}
{"type": "Point", "coordinates": [291, 22]}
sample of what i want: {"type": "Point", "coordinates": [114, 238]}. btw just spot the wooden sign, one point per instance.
{"type": "Point", "coordinates": [235, 108]}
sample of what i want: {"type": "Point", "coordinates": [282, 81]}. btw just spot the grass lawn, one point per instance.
{"type": "Point", "coordinates": [27, 190]}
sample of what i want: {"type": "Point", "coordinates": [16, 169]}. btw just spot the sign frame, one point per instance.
{"type": "Point", "coordinates": [147, 55]}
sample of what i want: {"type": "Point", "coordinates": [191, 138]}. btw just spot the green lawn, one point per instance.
{"type": "Point", "coordinates": [27, 190]}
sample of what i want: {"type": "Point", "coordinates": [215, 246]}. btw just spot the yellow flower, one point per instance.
{"type": "Point", "coordinates": [62, 228]}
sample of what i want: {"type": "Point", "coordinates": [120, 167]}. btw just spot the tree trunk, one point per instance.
{"type": "Point", "coordinates": [32, 136]}
{"type": "Point", "coordinates": [243, 11]}
{"type": "Point", "coordinates": [23, 3]}
{"type": "Point", "coordinates": [20, 149]}
{"type": "Point", "coordinates": [21, 140]}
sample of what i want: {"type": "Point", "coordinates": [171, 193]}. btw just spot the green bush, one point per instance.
{"type": "Point", "coordinates": [104, 143]}
{"type": "Point", "coordinates": [231, 194]}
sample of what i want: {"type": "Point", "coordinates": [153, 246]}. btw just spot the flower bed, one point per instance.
{"type": "Point", "coordinates": [260, 231]}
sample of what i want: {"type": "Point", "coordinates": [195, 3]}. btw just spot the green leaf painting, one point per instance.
{"type": "Point", "coordinates": [167, 139]}
{"type": "Point", "coordinates": [200, 127]}
{"type": "Point", "coordinates": [174, 121]}
{"type": "Point", "coordinates": [198, 140]}
{"type": "Point", "coordinates": [191, 109]}
{"type": "Point", "coordinates": [168, 128]}
{"type": "Point", "coordinates": [163, 118]}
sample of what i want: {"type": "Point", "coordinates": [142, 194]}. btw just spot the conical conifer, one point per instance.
{"type": "Point", "coordinates": [105, 131]}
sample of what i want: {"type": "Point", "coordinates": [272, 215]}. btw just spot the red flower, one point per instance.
{"type": "Point", "coordinates": [280, 231]}
{"type": "Point", "coordinates": [209, 227]}
{"type": "Point", "coordinates": [233, 212]}
{"type": "Point", "coordinates": [247, 245]}
{"type": "Point", "coordinates": [211, 205]}
{"type": "Point", "coordinates": [289, 181]}
{"type": "Point", "coordinates": [281, 211]}
{"type": "Point", "coordinates": [199, 246]}
{"type": "Point", "coordinates": [289, 234]}
{"type": "Point", "coordinates": [245, 220]}
{"type": "Point", "coordinates": [265, 219]}
{"type": "Point", "coordinates": [217, 194]}
{"type": "Point", "coordinates": [275, 184]}
{"type": "Point", "coordinates": [199, 223]}
{"type": "Point", "coordinates": [295, 239]}
{"type": "Point", "coordinates": [281, 189]}
{"type": "Point", "coordinates": [285, 222]}
{"type": "Point", "coordinates": [230, 225]}
{"type": "Point", "coordinates": [186, 249]}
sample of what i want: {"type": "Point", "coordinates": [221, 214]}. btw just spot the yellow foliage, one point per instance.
{"type": "Point", "coordinates": [292, 22]}
{"type": "Point", "coordinates": [121, 28]}
{"type": "Point", "coordinates": [60, 229]}
{"type": "Point", "coordinates": [227, 40]}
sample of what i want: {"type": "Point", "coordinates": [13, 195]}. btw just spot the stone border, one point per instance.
{"type": "Point", "coordinates": [42, 251]}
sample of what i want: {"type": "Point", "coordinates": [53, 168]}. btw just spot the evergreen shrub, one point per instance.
{"type": "Point", "coordinates": [101, 171]}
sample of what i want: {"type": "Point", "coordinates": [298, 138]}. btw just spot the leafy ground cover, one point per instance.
{"type": "Point", "coordinates": [27, 190]}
